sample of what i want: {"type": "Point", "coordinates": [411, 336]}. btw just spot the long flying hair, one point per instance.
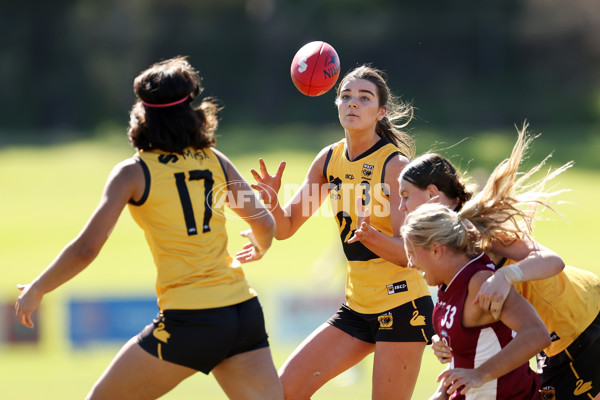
{"type": "Point", "coordinates": [505, 209]}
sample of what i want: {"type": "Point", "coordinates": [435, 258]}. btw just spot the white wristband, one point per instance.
{"type": "Point", "coordinates": [512, 273]}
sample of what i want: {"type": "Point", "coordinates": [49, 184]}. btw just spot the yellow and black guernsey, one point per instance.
{"type": "Point", "coordinates": [184, 224]}
{"type": "Point", "coordinates": [373, 285]}
{"type": "Point", "coordinates": [567, 303]}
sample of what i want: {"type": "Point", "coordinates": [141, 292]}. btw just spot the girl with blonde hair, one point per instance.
{"type": "Point", "coordinates": [500, 219]}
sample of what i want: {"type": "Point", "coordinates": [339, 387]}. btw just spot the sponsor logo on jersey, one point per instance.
{"type": "Point", "coordinates": [188, 153]}
{"type": "Point", "coordinates": [397, 287]}
{"type": "Point", "coordinates": [386, 320]}
{"type": "Point", "coordinates": [554, 337]}
{"type": "Point", "coordinates": [195, 154]}
{"type": "Point", "coordinates": [367, 171]}
{"type": "Point", "coordinates": [167, 158]}
{"type": "Point", "coordinates": [349, 176]}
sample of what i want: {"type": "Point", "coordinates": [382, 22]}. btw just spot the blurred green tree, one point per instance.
{"type": "Point", "coordinates": [70, 64]}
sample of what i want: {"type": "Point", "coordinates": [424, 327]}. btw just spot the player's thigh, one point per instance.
{"type": "Point", "coordinates": [136, 374]}
{"type": "Point", "coordinates": [326, 353]}
{"type": "Point", "coordinates": [249, 376]}
{"type": "Point", "coordinates": [396, 368]}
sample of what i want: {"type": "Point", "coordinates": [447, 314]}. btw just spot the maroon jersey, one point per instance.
{"type": "Point", "coordinates": [471, 347]}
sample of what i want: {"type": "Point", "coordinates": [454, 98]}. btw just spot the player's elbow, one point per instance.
{"type": "Point", "coordinates": [282, 235]}
{"type": "Point", "coordinates": [558, 263]}
{"type": "Point", "coordinates": [284, 230]}
{"type": "Point", "coordinates": [547, 341]}
{"type": "Point", "coordinates": [85, 251]}
{"type": "Point", "coordinates": [540, 336]}
{"type": "Point", "coordinates": [552, 261]}
{"type": "Point", "coordinates": [544, 340]}
{"type": "Point", "coordinates": [265, 223]}
{"type": "Point", "coordinates": [395, 255]}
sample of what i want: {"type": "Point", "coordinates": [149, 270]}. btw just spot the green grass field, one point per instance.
{"type": "Point", "coordinates": [50, 191]}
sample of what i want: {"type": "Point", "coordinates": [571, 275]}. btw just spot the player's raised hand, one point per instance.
{"type": "Point", "coordinates": [267, 185]}
{"type": "Point", "coordinates": [362, 223]}
{"type": "Point", "coordinates": [27, 302]}
{"type": "Point", "coordinates": [492, 294]}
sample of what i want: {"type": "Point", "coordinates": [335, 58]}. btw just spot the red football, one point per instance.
{"type": "Point", "coordinates": [315, 68]}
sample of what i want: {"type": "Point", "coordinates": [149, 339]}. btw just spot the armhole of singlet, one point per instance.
{"type": "Point", "coordinates": [146, 185]}
{"type": "Point", "coordinates": [222, 166]}
{"type": "Point", "coordinates": [384, 188]}
{"type": "Point", "coordinates": [326, 164]}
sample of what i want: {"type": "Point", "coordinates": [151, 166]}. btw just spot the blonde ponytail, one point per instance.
{"type": "Point", "coordinates": [505, 208]}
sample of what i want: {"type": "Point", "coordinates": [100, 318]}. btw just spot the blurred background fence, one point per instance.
{"type": "Point", "coordinates": [68, 66]}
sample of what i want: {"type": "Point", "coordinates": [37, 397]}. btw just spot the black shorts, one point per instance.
{"type": "Point", "coordinates": [575, 372]}
{"type": "Point", "coordinates": [201, 339]}
{"type": "Point", "coordinates": [410, 322]}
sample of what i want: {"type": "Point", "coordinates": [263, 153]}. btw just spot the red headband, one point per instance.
{"type": "Point", "coordinates": [167, 104]}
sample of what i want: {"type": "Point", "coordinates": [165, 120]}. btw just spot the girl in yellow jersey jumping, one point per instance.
{"type": "Point", "coordinates": [388, 307]}
{"type": "Point", "coordinates": [210, 319]}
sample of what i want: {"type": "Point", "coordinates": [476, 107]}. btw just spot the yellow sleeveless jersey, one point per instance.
{"type": "Point", "coordinates": [373, 285]}
{"type": "Point", "coordinates": [567, 303]}
{"type": "Point", "coordinates": [184, 224]}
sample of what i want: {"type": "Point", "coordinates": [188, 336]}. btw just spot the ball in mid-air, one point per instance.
{"type": "Point", "coordinates": [315, 68]}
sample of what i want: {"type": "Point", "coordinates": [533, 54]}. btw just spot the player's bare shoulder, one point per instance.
{"type": "Point", "coordinates": [129, 177]}
{"type": "Point", "coordinates": [394, 167]}
{"type": "Point", "coordinates": [230, 169]}
{"type": "Point", "coordinates": [128, 170]}
{"type": "Point", "coordinates": [478, 278]}
{"type": "Point", "coordinates": [399, 160]}
{"type": "Point", "coordinates": [315, 173]}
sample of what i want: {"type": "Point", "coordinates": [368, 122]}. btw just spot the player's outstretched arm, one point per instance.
{"type": "Point", "coordinates": [249, 208]}
{"type": "Point", "coordinates": [304, 203]}
{"type": "Point", "coordinates": [125, 182]}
